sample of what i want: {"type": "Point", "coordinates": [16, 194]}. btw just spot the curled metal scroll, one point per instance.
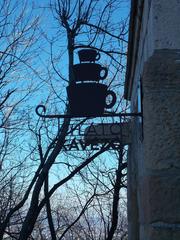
{"type": "Point", "coordinates": [39, 109]}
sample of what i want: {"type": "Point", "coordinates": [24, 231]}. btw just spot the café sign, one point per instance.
{"type": "Point", "coordinates": [95, 136]}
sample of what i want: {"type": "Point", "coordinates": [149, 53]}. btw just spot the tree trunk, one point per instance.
{"type": "Point", "coordinates": [34, 209]}
{"type": "Point", "coordinates": [117, 189]}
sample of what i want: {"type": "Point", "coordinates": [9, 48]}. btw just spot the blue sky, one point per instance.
{"type": "Point", "coordinates": [50, 27]}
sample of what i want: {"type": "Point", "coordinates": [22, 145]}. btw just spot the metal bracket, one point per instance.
{"type": "Point", "coordinates": [106, 114]}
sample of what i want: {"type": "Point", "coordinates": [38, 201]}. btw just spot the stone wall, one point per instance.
{"type": "Point", "coordinates": [159, 176]}
{"type": "Point", "coordinates": [159, 29]}
{"type": "Point", "coordinates": [154, 156]}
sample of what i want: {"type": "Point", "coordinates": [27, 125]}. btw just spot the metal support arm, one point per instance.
{"type": "Point", "coordinates": [42, 108]}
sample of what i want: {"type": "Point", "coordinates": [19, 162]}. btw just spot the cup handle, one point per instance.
{"type": "Point", "coordinates": [98, 56]}
{"type": "Point", "coordinates": [105, 72]}
{"type": "Point", "coordinates": [110, 105]}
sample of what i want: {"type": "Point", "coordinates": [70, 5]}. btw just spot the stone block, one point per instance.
{"type": "Point", "coordinates": [160, 198]}
{"type": "Point", "coordinates": [159, 231]}
{"type": "Point", "coordinates": [161, 110]}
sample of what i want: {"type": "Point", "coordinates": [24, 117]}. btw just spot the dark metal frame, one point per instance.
{"type": "Point", "coordinates": [107, 114]}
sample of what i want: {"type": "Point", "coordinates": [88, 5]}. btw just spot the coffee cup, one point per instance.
{"type": "Point", "coordinates": [90, 55]}
{"type": "Point", "coordinates": [89, 99]}
{"type": "Point", "coordinates": [89, 72]}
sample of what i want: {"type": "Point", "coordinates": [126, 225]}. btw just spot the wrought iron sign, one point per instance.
{"type": "Point", "coordinates": [92, 136]}
{"type": "Point", "coordinates": [87, 96]}
{"type": "Point", "coordinates": [88, 99]}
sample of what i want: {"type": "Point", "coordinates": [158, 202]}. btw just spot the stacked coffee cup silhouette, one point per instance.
{"type": "Point", "coordinates": [87, 96]}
